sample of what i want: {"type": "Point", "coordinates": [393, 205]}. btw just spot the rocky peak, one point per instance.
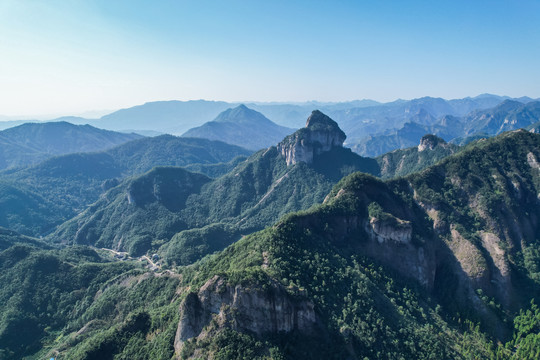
{"type": "Point", "coordinates": [430, 141]}
{"type": "Point", "coordinates": [321, 134]}
{"type": "Point", "coordinates": [263, 311]}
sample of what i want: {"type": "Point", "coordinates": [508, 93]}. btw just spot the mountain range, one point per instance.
{"type": "Point", "coordinates": [243, 127]}
{"type": "Point", "coordinates": [35, 199]}
{"type": "Point", "coordinates": [358, 118]}
{"type": "Point", "coordinates": [297, 173]}
{"type": "Point", "coordinates": [299, 250]}
{"type": "Point", "coordinates": [31, 143]}
{"type": "Point", "coordinates": [508, 115]}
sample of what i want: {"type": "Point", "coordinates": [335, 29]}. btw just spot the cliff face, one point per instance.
{"type": "Point", "coordinates": [263, 311]}
{"type": "Point", "coordinates": [430, 142]}
{"type": "Point", "coordinates": [320, 135]}
{"type": "Point", "coordinates": [383, 231]}
{"type": "Point", "coordinates": [389, 236]}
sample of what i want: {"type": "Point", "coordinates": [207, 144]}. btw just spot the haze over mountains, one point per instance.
{"type": "Point", "coordinates": [35, 199]}
{"type": "Point", "coordinates": [179, 247]}
{"type": "Point", "coordinates": [365, 268]}
{"type": "Point", "coordinates": [508, 115]}
{"type": "Point", "coordinates": [34, 142]}
{"type": "Point", "coordinates": [253, 195]}
{"type": "Point", "coordinates": [243, 127]}
{"type": "Point", "coordinates": [358, 119]}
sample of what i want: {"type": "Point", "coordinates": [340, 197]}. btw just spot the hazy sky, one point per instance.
{"type": "Point", "coordinates": [69, 56]}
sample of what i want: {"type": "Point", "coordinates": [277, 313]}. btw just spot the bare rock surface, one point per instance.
{"type": "Point", "coordinates": [263, 310]}
{"type": "Point", "coordinates": [320, 135]}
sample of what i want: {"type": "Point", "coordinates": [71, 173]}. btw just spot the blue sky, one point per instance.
{"type": "Point", "coordinates": [69, 56]}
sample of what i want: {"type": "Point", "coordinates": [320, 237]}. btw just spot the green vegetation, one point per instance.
{"type": "Point", "coordinates": [407, 161]}
{"type": "Point", "coordinates": [366, 309]}
{"type": "Point", "coordinates": [42, 289]}
{"type": "Point", "coordinates": [255, 194]}
{"type": "Point", "coordinates": [35, 200]}
{"type": "Point", "coordinates": [440, 264]}
{"type": "Point", "coordinates": [215, 170]}
{"type": "Point", "coordinates": [31, 143]}
{"type": "Point", "coordinates": [9, 238]}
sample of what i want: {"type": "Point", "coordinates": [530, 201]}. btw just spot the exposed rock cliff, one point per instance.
{"type": "Point", "coordinates": [399, 231]}
{"type": "Point", "coordinates": [387, 236]}
{"type": "Point", "coordinates": [321, 134]}
{"type": "Point", "coordinates": [430, 142]}
{"type": "Point", "coordinates": [269, 310]}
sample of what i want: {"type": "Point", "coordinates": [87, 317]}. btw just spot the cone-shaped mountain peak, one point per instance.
{"type": "Point", "coordinates": [241, 126]}
{"type": "Point", "coordinates": [242, 114]}
{"type": "Point", "coordinates": [320, 135]}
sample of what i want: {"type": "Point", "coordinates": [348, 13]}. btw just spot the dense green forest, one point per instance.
{"type": "Point", "coordinates": [263, 259]}
{"type": "Point", "coordinates": [36, 199]}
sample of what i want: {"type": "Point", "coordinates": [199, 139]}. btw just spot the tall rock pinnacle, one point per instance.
{"type": "Point", "coordinates": [321, 134]}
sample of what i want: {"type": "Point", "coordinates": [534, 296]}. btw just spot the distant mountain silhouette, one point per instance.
{"type": "Point", "coordinates": [34, 142]}
{"type": "Point", "coordinates": [241, 126]}
{"type": "Point", "coordinates": [174, 117]}
{"type": "Point", "coordinates": [505, 116]}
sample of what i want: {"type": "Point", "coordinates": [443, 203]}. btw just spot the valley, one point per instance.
{"type": "Point", "coordinates": [175, 247]}
{"type": "Point", "coordinates": [269, 180]}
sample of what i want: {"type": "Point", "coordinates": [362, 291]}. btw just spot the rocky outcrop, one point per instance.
{"type": "Point", "coordinates": [399, 231]}
{"type": "Point", "coordinates": [263, 311]}
{"type": "Point", "coordinates": [321, 134]}
{"type": "Point", "coordinates": [531, 160]}
{"type": "Point", "coordinates": [430, 142]}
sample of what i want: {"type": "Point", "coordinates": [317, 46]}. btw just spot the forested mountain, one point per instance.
{"type": "Point", "coordinates": [243, 127]}
{"type": "Point", "coordinates": [357, 118]}
{"type": "Point", "coordinates": [399, 269]}
{"type": "Point", "coordinates": [6, 124]}
{"type": "Point", "coordinates": [36, 199]}
{"type": "Point", "coordinates": [31, 143]}
{"type": "Point", "coordinates": [373, 128]}
{"type": "Point", "coordinates": [9, 238]}
{"type": "Point", "coordinates": [294, 175]}
{"type": "Point", "coordinates": [385, 270]}
{"type": "Point", "coordinates": [402, 162]}
{"type": "Point", "coordinates": [506, 116]}
{"type": "Point", "coordinates": [509, 115]}
{"type": "Point", "coordinates": [438, 261]}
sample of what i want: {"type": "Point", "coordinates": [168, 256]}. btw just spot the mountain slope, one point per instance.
{"type": "Point", "coordinates": [397, 269]}
{"type": "Point", "coordinates": [334, 267]}
{"type": "Point", "coordinates": [9, 238]}
{"type": "Point", "coordinates": [402, 162]}
{"type": "Point", "coordinates": [173, 117]}
{"type": "Point", "coordinates": [357, 118]}
{"type": "Point", "coordinates": [243, 127]}
{"type": "Point", "coordinates": [509, 115]}
{"type": "Point", "coordinates": [41, 288]}
{"type": "Point", "coordinates": [296, 174]}
{"type": "Point", "coordinates": [34, 142]}
{"type": "Point", "coordinates": [362, 122]}
{"type": "Point", "coordinates": [38, 198]}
